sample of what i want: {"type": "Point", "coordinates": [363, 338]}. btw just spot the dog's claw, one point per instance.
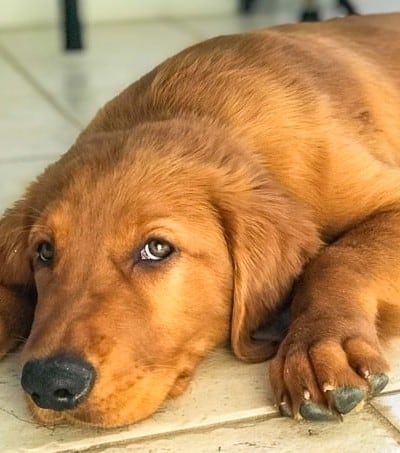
{"type": "Point", "coordinates": [377, 382]}
{"type": "Point", "coordinates": [285, 410]}
{"type": "Point", "coordinates": [315, 412]}
{"type": "Point", "coordinates": [346, 398]}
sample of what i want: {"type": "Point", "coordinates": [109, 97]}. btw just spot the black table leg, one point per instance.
{"type": "Point", "coordinates": [346, 4]}
{"type": "Point", "coordinates": [245, 6]}
{"type": "Point", "coordinates": [72, 25]}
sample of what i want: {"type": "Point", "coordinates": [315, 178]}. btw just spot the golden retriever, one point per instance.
{"type": "Point", "coordinates": [248, 181]}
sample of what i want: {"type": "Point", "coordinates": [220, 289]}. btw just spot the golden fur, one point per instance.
{"type": "Point", "coordinates": [271, 161]}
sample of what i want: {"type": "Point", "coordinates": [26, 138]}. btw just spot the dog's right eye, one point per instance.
{"type": "Point", "coordinates": [45, 252]}
{"type": "Point", "coordinates": [156, 250]}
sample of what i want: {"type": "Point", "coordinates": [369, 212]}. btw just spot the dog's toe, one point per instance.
{"type": "Point", "coordinates": [377, 382]}
{"type": "Point", "coordinates": [316, 412]}
{"type": "Point", "coordinates": [346, 398]}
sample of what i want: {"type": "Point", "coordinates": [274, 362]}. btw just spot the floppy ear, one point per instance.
{"type": "Point", "coordinates": [15, 226]}
{"type": "Point", "coordinates": [17, 289]}
{"type": "Point", "coordinates": [17, 286]}
{"type": "Point", "coordinates": [16, 222]}
{"type": "Point", "coordinates": [270, 238]}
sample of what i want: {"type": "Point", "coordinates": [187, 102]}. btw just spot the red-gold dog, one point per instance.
{"type": "Point", "coordinates": [245, 174]}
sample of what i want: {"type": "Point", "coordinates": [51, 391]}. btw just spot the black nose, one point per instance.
{"type": "Point", "coordinates": [58, 382]}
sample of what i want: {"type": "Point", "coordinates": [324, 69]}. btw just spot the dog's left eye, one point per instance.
{"type": "Point", "coordinates": [156, 250]}
{"type": "Point", "coordinates": [45, 252]}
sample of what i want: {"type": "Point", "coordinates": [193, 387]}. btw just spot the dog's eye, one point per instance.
{"type": "Point", "coordinates": [156, 250]}
{"type": "Point", "coordinates": [45, 252]}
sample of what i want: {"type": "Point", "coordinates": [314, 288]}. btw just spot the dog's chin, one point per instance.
{"type": "Point", "coordinates": [83, 418]}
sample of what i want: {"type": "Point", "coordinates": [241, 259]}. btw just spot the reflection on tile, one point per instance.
{"type": "Point", "coordinates": [29, 126]}
{"type": "Point", "coordinates": [389, 407]}
{"type": "Point", "coordinates": [213, 26]}
{"type": "Point", "coordinates": [115, 56]}
{"type": "Point", "coordinates": [15, 177]}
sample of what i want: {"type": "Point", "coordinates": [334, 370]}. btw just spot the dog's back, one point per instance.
{"type": "Point", "coordinates": [316, 95]}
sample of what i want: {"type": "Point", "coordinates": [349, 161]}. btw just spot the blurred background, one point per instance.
{"type": "Point", "coordinates": [48, 93]}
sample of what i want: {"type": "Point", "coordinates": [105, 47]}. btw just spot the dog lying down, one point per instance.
{"type": "Point", "coordinates": [245, 169]}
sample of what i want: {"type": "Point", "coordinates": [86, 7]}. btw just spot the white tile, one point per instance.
{"type": "Point", "coordinates": [29, 125]}
{"type": "Point", "coordinates": [393, 357]}
{"type": "Point", "coordinates": [115, 56]}
{"type": "Point", "coordinates": [358, 433]}
{"type": "Point", "coordinates": [389, 407]}
{"type": "Point", "coordinates": [208, 27]}
{"type": "Point", "coordinates": [15, 176]}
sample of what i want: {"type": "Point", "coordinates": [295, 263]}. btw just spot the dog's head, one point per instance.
{"type": "Point", "coordinates": [147, 250]}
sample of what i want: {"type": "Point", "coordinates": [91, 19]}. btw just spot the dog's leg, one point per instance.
{"type": "Point", "coordinates": [17, 293]}
{"type": "Point", "coordinates": [347, 302]}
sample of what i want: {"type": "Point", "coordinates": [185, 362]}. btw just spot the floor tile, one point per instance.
{"type": "Point", "coordinates": [393, 357]}
{"type": "Point", "coordinates": [363, 432]}
{"type": "Point", "coordinates": [15, 177]}
{"type": "Point", "coordinates": [389, 407]}
{"type": "Point", "coordinates": [224, 390]}
{"type": "Point", "coordinates": [115, 56]}
{"type": "Point", "coordinates": [29, 126]}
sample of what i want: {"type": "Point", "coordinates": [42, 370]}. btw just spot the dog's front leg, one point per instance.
{"type": "Point", "coordinates": [347, 301]}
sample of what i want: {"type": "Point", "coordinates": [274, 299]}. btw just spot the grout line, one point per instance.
{"type": "Point", "coordinates": [388, 393]}
{"type": "Point", "coordinates": [384, 420]}
{"type": "Point", "coordinates": [135, 441]}
{"type": "Point", "coordinates": [21, 70]}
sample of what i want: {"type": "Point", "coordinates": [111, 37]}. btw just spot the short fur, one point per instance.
{"type": "Point", "coordinates": [271, 161]}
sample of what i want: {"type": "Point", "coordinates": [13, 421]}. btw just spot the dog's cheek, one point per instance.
{"type": "Point", "coordinates": [122, 400]}
{"type": "Point", "coordinates": [192, 305]}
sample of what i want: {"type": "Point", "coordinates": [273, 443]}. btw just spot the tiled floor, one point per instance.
{"type": "Point", "coordinates": [45, 97]}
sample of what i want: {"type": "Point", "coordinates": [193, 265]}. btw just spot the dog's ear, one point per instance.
{"type": "Point", "coordinates": [16, 224]}
{"type": "Point", "coordinates": [17, 288]}
{"type": "Point", "coordinates": [270, 237]}
{"type": "Point", "coordinates": [15, 270]}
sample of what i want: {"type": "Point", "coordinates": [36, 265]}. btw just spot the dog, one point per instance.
{"type": "Point", "coordinates": [245, 190]}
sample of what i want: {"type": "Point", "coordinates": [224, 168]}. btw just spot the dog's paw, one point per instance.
{"type": "Point", "coordinates": [321, 377]}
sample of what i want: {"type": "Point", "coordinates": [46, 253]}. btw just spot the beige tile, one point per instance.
{"type": "Point", "coordinates": [358, 433]}
{"type": "Point", "coordinates": [389, 407]}
{"type": "Point", "coordinates": [208, 27]}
